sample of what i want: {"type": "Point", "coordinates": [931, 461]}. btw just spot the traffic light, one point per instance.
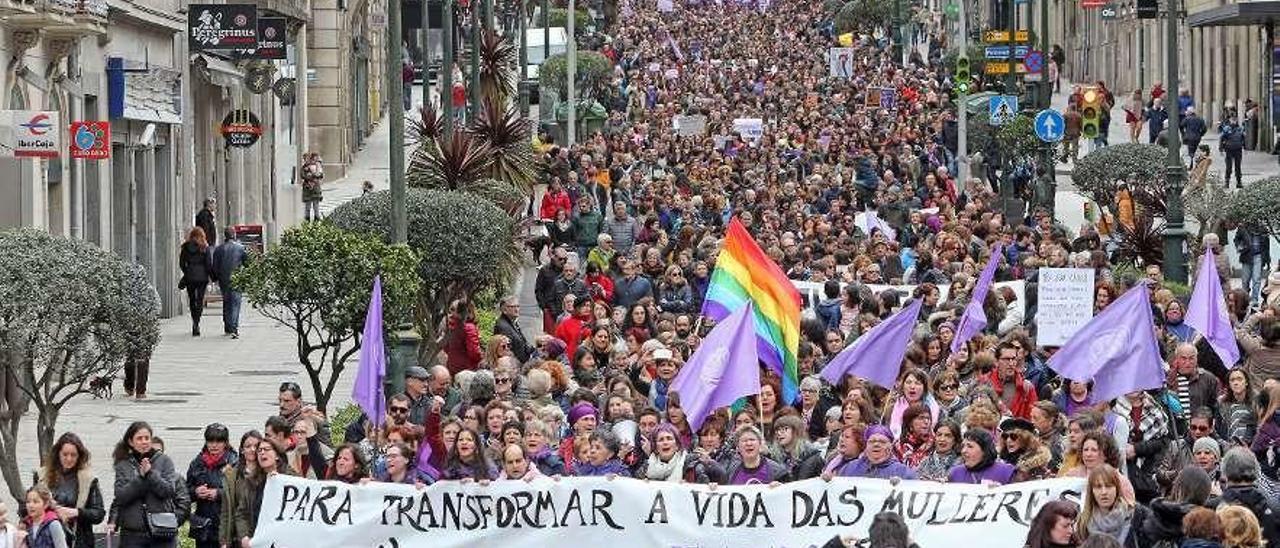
{"type": "Point", "coordinates": [962, 74]}
{"type": "Point", "coordinates": [1090, 112]}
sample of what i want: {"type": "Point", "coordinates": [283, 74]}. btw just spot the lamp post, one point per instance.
{"type": "Point", "coordinates": [522, 23]}
{"type": "Point", "coordinates": [1175, 261]}
{"type": "Point", "coordinates": [1049, 183]}
{"type": "Point", "coordinates": [426, 54]}
{"type": "Point", "coordinates": [446, 74]}
{"type": "Point", "coordinates": [571, 70]}
{"type": "Point", "coordinates": [395, 60]}
{"type": "Point", "coordinates": [473, 106]}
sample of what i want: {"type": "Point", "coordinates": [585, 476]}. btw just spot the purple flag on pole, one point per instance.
{"type": "Point", "coordinates": [974, 319]}
{"type": "Point", "coordinates": [1117, 349]}
{"type": "Point", "coordinates": [368, 391]}
{"type": "Point", "coordinates": [724, 368]}
{"type": "Point", "coordinates": [1207, 312]}
{"type": "Point", "coordinates": [877, 354]}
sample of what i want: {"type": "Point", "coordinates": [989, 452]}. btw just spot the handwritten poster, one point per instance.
{"type": "Point", "coordinates": [1065, 304]}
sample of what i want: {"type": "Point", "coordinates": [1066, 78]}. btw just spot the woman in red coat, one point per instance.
{"type": "Point", "coordinates": [461, 338]}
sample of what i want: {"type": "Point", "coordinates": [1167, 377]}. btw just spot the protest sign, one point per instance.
{"type": "Point", "coordinates": [685, 125]}
{"type": "Point", "coordinates": [840, 62]}
{"type": "Point", "coordinates": [750, 128]}
{"type": "Point", "coordinates": [1066, 304]}
{"type": "Point", "coordinates": [596, 511]}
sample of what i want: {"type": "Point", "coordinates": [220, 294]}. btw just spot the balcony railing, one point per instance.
{"type": "Point", "coordinates": [12, 7]}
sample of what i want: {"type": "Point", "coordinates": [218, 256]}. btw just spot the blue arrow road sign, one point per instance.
{"type": "Point", "coordinates": [1049, 125]}
{"type": "Point", "coordinates": [1020, 52]}
{"type": "Point", "coordinates": [1002, 109]}
{"type": "Point", "coordinates": [997, 52]}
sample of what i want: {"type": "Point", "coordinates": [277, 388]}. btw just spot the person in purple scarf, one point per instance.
{"type": "Point", "coordinates": [978, 462]}
{"type": "Point", "coordinates": [602, 458]}
{"type": "Point", "coordinates": [877, 460]}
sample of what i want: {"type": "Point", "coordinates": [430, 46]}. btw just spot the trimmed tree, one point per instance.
{"type": "Point", "coordinates": [465, 245]}
{"type": "Point", "coordinates": [1141, 166]}
{"type": "Point", "coordinates": [1258, 205]}
{"type": "Point", "coordinates": [592, 75]}
{"type": "Point", "coordinates": [71, 314]}
{"type": "Point", "coordinates": [317, 282]}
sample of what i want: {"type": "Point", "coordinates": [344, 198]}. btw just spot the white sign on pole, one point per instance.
{"type": "Point", "coordinates": [1065, 304]}
{"type": "Point", "coordinates": [30, 134]}
{"type": "Point", "coordinates": [751, 129]}
{"type": "Point", "coordinates": [595, 511]}
{"type": "Point", "coordinates": [840, 62]}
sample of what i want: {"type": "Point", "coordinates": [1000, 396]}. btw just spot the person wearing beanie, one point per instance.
{"type": "Point", "coordinates": [877, 460]}
{"type": "Point", "coordinates": [583, 418]}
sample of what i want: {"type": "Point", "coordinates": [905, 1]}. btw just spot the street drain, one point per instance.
{"type": "Point", "coordinates": [160, 401]}
{"type": "Point", "coordinates": [259, 373]}
{"type": "Point", "coordinates": [184, 428]}
{"type": "Point", "coordinates": [176, 393]}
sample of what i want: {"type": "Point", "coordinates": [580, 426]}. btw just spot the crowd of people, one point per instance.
{"type": "Point", "coordinates": [840, 192]}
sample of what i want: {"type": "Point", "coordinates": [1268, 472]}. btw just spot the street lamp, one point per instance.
{"type": "Point", "coordinates": [1175, 261]}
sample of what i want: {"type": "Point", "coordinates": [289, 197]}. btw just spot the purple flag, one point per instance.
{"type": "Point", "coordinates": [724, 368]}
{"type": "Point", "coordinates": [368, 391]}
{"type": "Point", "coordinates": [1117, 349]}
{"type": "Point", "coordinates": [877, 354]}
{"type": "Point", "coordinates": [1207, 312]}
{"type": "Point", "coordinates": [974, 319]}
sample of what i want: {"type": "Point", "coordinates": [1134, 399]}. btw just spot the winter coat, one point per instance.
{"type": "Point", "coordinates": [1164, 525]}
{"type": "Point", "coordinates": [675, 298]}
{"type": "Point", "coordinates": [629, 291]}
{"type": "Point", "coordinates": [137, 494]}
{"type": "Point", "coordinates": [612, 466]}
{"type": "Point", "coordinates": [828, 311]}
{"type": "Point", "coordinates": [45, 531]}
{"type": "Point", "coordinates": [807, 464]}
{"type": "Point", "coordinates": [564, 287]}
{"type": "Point", "coordinates": [1033, 465]}
{"type": "Point", "coordinates": [587, 227]}
{"type": "Point", "coordinates": [234, 487]}
{"type": "Point", "coordinates": [1267, 512]}
{"type": "Point", "coordinates": [226, 259]}
{"type": "Point", "coordinates": [80, 490]}
{"type": "Point", "coordinates": [201, 473]}
{"type": "Point", "coordinates": [196, 264]}
{"type": "Point", "coordinates": [999, 472]}
{"type": "Point", "coordinates": [520, 346]}
{"type": "Point", "coordinates": [204, 220]}
{"type": "Point", "coordinates": [863, 468]}
{"type": "Point", "coordinates": [462, 345]}
{"type": "Point", "coordinates": [1024, 398]}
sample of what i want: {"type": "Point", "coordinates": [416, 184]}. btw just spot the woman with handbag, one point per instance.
{"type": "Point", "coordinates": [145, 492]}
{"type": "Point", "coordinates": [75, 490]}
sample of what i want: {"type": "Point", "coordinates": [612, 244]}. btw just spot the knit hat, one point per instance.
{"type": "Point", "coordinates": [581, 410]}
{"type": "Point", "coordinates": [877, 429]}
{"type": "Point", "coordinates": [1209, 444]}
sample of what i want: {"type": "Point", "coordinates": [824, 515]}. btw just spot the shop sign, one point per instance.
{"type": "Point", "coordinates": [29, 134]}
{"type": "Point", "coordinates": [241, 128]}
{"type": "Point", "coordinates": [91, 140]}
{"type": "Point", "coordinates": [212, 27]}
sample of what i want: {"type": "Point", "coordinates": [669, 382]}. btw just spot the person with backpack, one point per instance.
{"type": "Point", "coordinates": [44, 528]}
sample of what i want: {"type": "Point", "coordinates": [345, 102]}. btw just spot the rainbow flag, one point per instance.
{"type": "Point", "coordinates": [745, 274]}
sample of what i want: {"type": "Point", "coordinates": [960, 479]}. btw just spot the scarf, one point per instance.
{"type": "Point", "coordinates": [211, 461]}
{"type": "Point", "coordinates": [665, 471]}
{"type": "Point", "coordinates": [1152, 424]}
{"type": "Point", "coordinates": [1114, 524]}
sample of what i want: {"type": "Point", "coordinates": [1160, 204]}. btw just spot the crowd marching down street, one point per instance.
{"type": "Point", "coordinates": [812, 304]}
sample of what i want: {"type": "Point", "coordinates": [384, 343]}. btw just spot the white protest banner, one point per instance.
{"type": "Point", "coordinates": [750, 128]}
{"type": "Point", "coordinates": [666, 6]}
{"type": "Point", "coordinates": [840, 62]}
{"type": "Point", "coordinates": [1065, 304]}
{"type": "Point", "coordinates": [301, 513]}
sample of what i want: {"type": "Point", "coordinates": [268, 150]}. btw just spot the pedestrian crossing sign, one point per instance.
{"type": "Point", "coordinates": [1002, 109]}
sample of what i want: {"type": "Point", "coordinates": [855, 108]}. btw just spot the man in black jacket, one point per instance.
{"type": "Point", "coordinates": [508, 326]}
{"type": "Point", "coordinates": [544, 287]}
{"type": "Point", "coordinates": [1254, 247]}
{"type": "Point", "coordinates": [1240, 469]}
{"type": "Point", "coordinates": [204, 220]}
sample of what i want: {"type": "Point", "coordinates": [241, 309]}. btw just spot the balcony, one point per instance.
{"type": "Point", "coordinates": [16, 7]}
{"type": "Point", "coordinates": [62, 19]}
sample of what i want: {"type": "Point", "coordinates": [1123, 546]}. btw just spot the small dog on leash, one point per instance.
{"type": "Point", "coordinates": [100, 387]}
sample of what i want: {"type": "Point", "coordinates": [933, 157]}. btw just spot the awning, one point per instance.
{"type": "Point", "coordinates": [220, 72]}
{"type": "Point", "coordinates": [1240, 14]}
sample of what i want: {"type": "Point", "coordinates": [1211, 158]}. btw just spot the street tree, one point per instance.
{"type": "Point", "coordinates": [317, 282]}
{"type": "Point", "coordinates": [465, 245]}
{"type": "Point", "coordinates": [591, 75]}
{"type": "Point", "coordinates": [71, 315]}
